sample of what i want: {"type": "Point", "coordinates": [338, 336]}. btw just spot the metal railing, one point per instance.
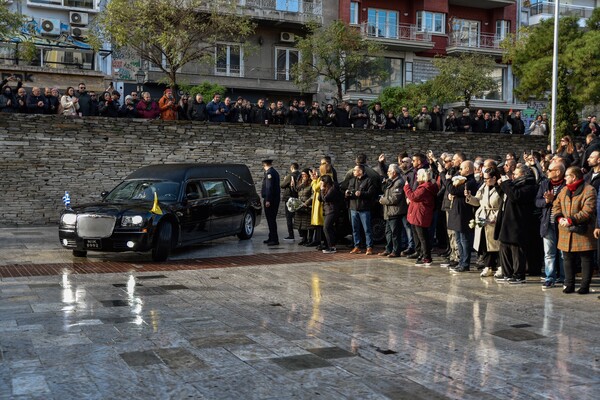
{"type": "Point", "coordinates": [563, 9]}
{"type": "Point", "coordinates": [484, 41]}
{"type": "Point", "coordinates": [268, 73]}
{"type": "Point", "coordinates": [398, 32]}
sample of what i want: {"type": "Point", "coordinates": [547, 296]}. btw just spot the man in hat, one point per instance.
{"type": "Point", "coordinates": [271, 194]}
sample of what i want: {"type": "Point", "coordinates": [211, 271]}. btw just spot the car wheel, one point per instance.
{"type": "Point", "coordinates": [79, 253]}
{"type": "Point", "coordinates": [378, 229]}
{"type": "Point", "coordinates": [162, 245]}
{"type": "Point", "coordinates": [247, 226]}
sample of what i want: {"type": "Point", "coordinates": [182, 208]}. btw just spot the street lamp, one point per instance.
{"type": "Point", "coordinates": [140, 78]}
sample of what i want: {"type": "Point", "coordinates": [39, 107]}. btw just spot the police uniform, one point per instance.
{"type": "Point", "coordinates": [271, 192]}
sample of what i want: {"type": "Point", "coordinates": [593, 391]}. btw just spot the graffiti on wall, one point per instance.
{"type": "Point", "coordinates": [125, 63]}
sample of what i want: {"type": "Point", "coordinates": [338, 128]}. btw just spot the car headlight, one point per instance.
{"type": "Point", "coordinates": [132, 220]}
{"type": "Point", "coordinates": [69, 219]}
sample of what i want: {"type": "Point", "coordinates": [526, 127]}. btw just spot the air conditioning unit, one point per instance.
{"type": "Point", "coordinates": [287, 37]}
{"type": "Point", "coordinates": [78, 18]}
{"type": "Point", "coordinates": [78, 32]}
{"type": "Point", "coordinates": [50, 26]}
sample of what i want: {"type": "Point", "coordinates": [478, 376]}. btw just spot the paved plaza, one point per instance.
{"type": "Point", "coordinates": [240, 320]}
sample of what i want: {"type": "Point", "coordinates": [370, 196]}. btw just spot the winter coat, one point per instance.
{"type": "Point", "coordinates": [496, 125]}
{"type": "Point", "coordinates": [462, 122]}
{"type": "Point", "coordinates": [592, 180]}
{"type": "Point", "coordinates": [316, 215]}
{"type": "Point", "coordinates": [86, 108]}
{"type": "Point", "coordinates": [359, 122]}
{"type": "Point", "coordinates": [450, 124]}
{"type": "Point", "coordinates": [392, 198]}
{"type": "Point", "coordinates": [342, 118]}
{"type": "Point", "coordinates": [108, 108]}
{"type": "Point", "coordinates": [302, 215]}
{"type": "Point", "coordinates": [212, 108]}
{"type": "Point", "coordinates": [589, 149]}
{"type": "Point", "coordinates": [4, 107]}
{"type": "Point", "coordinates": [168, 108]}
{"type": "Point", "coordinates": [516, 225]}
{"type": "Point", "coordinates": [286, 185]}
{"type": "Point", "coordinates": [148, 110]}
{"type": "Point", "coordinates": [540, 202]}
{"type": "Point", "coordinates": [128, 111]}
{"type": "Point", "coordinates": [259, 115]}
{"type": "Point", "coordinates": [367, 190]}
{"type": "Point", "coordinates": [405, 123]}
{"type": "Point", "coordinates": [437, 122]}
{"type": "Point", "coordinates": [197, 111]}
{"type": "Point", "coordinates": [461, 213]}
{"type": "Point", "coordinates": [377, 118]}
{"type": "Point", "coordinates": [53, 105]}
{"type": "Point", "coordinates": [580, 207]}
{"type": "Point", "coordinates": [32, 104]}
{"type": "Point", "coordinates": [537, 129]}
{"type": "Point", "coordinates": [69, 107]}
{"type": "Point", "coordinates": [279, 116]}
{"type": "Point", "coordinates": [570, 158]}
{"type": "Point", "coordinates": [422, 204]}
{"type": "Point", "coordinates": [314, 117]}
{"type": "Point", "coordinates": [422, 122]}
{"type": "Point", "coordinates": [518, 126]}
{"type": "Point", "coordinates": [331, 200]}
{"type": "Point", "coordinates": [489, 200]}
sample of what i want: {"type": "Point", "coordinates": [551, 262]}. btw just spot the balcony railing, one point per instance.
{"type": "Point", "coordinates": [563, 9]}
{"type": "Point", "coordinates": [483, 41]}
{"type": "Point", "coordinates": [401, 34]}
{"type": "Point", "coordinates": [284, 10]}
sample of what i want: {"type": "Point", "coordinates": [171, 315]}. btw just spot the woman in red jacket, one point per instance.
{"type": "Point", "coordinates": [147, 108]}
{"type": "Point", "coordinates": [420, 213]}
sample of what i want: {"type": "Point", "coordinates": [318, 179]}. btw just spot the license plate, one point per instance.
{"type": "Point", "coordinates": [93, 244]}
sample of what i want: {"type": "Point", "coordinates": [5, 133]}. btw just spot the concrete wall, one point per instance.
{"type": "Point", "coordinates": [44, 156]}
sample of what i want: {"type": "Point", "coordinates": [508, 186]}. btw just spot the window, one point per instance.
{"type": "Point", "coordinates": [229, 60]}
{"type": "Point", "coordinates": [354, 12]}
{"type": "Point", "coordinates": [285, 59]}
{"type": "Point", "coordinates": [465, 33]}
{"type": "Point", "coordinates": [431, 22]}
{"type": "Point", "coordinates": [287, 5]}
{"type": "Point", "coordinates": [91, 5]}
{"type": "Point", "coordinates": [215, 188]}
{"type": "Point", "coordinates": [367, 84]}
{"type": "Point", "coordinates": [497, 93]}
{"type": "Point", "coordinates": [409, 72]}
{"type": "Point", "coordinates": [502, 29]}
{"type": "Point", "coordinates": [58, 58]}
{"type": "Point", "coordinates": [7, 54]}
{"type": "Point", "coordinates": [383, 23]}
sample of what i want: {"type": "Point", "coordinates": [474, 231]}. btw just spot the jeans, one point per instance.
{"type": "Point", "coordinates": [552, 256]}
{"type": "Point", "coordinates": [465, 244]}
{"type": "Point", "coordinates": [393, 228]}
{"type": "Point", "coordinates": [406, 237]}
{"type": "Point", "coordinates": [364, 218]}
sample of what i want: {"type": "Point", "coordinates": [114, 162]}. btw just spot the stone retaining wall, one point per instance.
{"type": "Point", "coordinates": [42, 156]}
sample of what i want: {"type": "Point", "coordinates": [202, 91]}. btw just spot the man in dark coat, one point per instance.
{"type": "Point", "coordinates": [86, 108]}
{"type": "Point", "coordinates": [437, 120]}
{"type": "Point", "coordinates": [197, 109]}
{"type": "Point", "coordinates": [514, 230]}
{"type": "Point", "coordinates": [360, 194]}
{"type": "Point", "coordinates": [464, 122]}
{"type": "Point", "coordinates": [271, 194]}
{"type": "Point", "coordinates": [518, 126]}
{"type": "Point", "coordinates": [37, 102]}
{"type": "Point", "coordinates": [392, 199]}
{"type": "Point", "coordinates": [279, 114]}
{"type": "Point", "coordinates": [359, 115]}
{"type": "Point", "coordinates": [260, 114]}
{"type": "Point", "coordinates": [547, 193]}
{"type": "Point", "coordinates": [289, 190]}
{"type": "Point", "coordinates": [342, 115]}
{"type": "Point", "coordinates": [592, 143]}
{"type": "Point", "coordinates": [497, 123]}
{"type": "Point", "coordinates": [461, 213]}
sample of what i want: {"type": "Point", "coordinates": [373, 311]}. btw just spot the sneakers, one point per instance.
{"type": "Point", "coordinates": [419, 262]}
{"type": "Point", "coordinates": [459, 269]}
{"type": "Point", "coordinates": [547, 285]}
{"type": "Point", "coordinates": [569, 289]}
{"type": "Point", "coordinates": [427, 262]}
{"type": "Point", "coordinates": [330, 250]}
{"type": "Point", "coordinates": [583, 290]}
{"type": "Point", "coordinates": [514, 280]}
{"type": "Point", "coordinates": [369, 251]}
{"type": "Point", "coordinates": [487, 271]}
{"type": "Point", "coordinates": [355, 250]}
{"type": "Point", "coordinates": [392, 255]}
{"type": "Point", "coordinates": [501, 279]}
{"type": "Point", "coordinates": [498, 274]}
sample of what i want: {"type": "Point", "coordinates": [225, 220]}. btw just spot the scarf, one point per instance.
{"type": "Point", "coordinates": [557, 183]}
{"type": "Point", "coordinates": [573, 186]}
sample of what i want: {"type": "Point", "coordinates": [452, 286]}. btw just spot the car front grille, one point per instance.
{"type": "Point", "coordinates": [95, 226]}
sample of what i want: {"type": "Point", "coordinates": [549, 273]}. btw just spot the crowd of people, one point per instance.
{"type": "Point", "coordinates": [536, 215]}
{"type": "Point", "coordinates": [81, 102]}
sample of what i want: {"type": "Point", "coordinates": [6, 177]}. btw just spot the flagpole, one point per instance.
{"type": "Point", "coordinates": [554, 78]}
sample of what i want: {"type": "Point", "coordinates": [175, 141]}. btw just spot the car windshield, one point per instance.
{"type": "Point", "coordinates": [144, 190]}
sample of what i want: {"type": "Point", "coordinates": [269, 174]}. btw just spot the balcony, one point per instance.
{"type": "Point", "coordinates": [399, 37]}
{"type": "Point", "coordinates": [484, 43]}
{"type": "Point", "coordinates": [284, 11]}
{"type": "Point", "coordinates": [541, 11]}
{"type": "Point", "coordinates": [486, 4]}
{"type": "Point", "coordinates": [91, 6]}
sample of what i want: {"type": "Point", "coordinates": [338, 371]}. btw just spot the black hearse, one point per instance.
{"type": "Point", "coordinates": [161, 207]}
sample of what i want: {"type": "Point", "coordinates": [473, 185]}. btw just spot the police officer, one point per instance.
{"type": "Point", "coordinates": [271, 193]}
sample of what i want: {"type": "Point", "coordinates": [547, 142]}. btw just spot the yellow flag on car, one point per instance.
{"type": "Point", "coordinates": [155, 208]}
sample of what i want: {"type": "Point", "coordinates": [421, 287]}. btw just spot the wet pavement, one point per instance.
{"type": "Point", "coordinates": [231, 319]}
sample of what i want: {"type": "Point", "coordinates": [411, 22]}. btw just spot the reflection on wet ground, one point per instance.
{"type": "Point", "coordinates": [361, 328]}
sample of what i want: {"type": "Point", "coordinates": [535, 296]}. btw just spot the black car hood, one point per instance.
{"type": "Point", "coordinates": [116, 209]}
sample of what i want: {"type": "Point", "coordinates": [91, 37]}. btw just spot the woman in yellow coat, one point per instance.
{"type": "Point", "coordinates": [316, 218]}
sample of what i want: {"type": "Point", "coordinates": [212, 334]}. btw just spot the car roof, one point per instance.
{"type": "Point", "coordinates": [238, 174]}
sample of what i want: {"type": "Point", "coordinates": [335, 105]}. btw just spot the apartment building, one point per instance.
{"type": "Point", "coordinates": [413, 32]}
{"type": "Point", "coordinates": [59, 29]}
{"type": "Point", "coordinates": [534, 11]}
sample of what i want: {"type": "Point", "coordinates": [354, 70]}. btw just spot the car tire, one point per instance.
{"type": "Point", "coordinates": [247, 226]}
{"type": "Point", "coordinates": [378, 229]}
{"type": "Point", "coordinates": [162, 244]}
{"type": "Point", "coordinates": [79, 253]}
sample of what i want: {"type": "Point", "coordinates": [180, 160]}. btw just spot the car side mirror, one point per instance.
{"type": "Point", "coordinates": [192, 196]}
{"type": "Point", "coordinates": [104, 194]}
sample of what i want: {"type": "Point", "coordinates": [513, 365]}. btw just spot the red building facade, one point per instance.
{"type": "Point", "coordinates": [413, 32]}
